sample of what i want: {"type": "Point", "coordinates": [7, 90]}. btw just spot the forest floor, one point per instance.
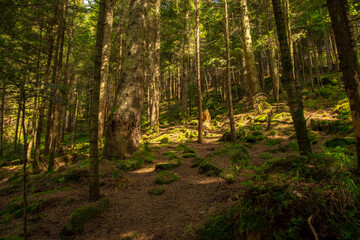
{"type": "Point", "coordinates": [133, 213]}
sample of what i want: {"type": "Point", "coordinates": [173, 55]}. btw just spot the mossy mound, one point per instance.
{"type": "Point", "coordinates": [171, 164]}
{"type": "Point", "coordinates": [339, 142]}
{"type": "Point", "coordinates": [72, 175]}
{"type": "Point", "coordinates": [131, 164]}
{"type": "Point", "coordinates": [145, 155]}
{"type": "Point", "coordinates": [273, 141]}
{"type": "Point", "coordinates": [166, 177]}
{"type": "Point", "coordinates": [164, 140]}
{"type": "Point", "coordinates": [171, 155]}
{"type": "Point", "coordinates": [330, 125]}
{"type": "Point", "coordinates": [255, 136]}
{"type": "Point", "coordinates": [184, 148]}
{"type": "Point", "coordinates": [82, 215]}
{"type": "Point", "coordinates": [342, 108]}
{"type": "Point", "coordinates": [225, 162]}
{"type": "Point", "coordinates": [156, 191]}
{"type": "Point", "coordinates": [272, 207]}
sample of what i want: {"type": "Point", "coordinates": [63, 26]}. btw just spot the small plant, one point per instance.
{"type": "Point", "coordinates": [166, 177]}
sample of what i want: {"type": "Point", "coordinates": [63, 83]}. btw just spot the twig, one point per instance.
{"type": "Point", "coordinates": [312, 228]}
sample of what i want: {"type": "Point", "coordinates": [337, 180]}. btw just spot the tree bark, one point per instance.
{"type": "Point", "coordinates": [3, 91]}
{"type": "Point", "coordinates": [228, 82]}
{"type": "Point", "coordinates": [252, 73]}
{"type": "Point", "coordinates": [198, 77]}
{"type": "Point", "coordinates": [349, 61]}
{"type": "Point", "coordinates": [123, 129]}
{"type": "Point", "coordinates": [106, 48]}
{"type": "Point", "coordinates": [155, 61]}
{"type": "Point", "coordinates": [294, 100]}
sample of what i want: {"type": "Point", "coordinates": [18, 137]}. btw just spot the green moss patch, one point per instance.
{"type": "Point", "coordinates": [156, 191]}
{"type": "Point", "coordinates": [273, 141]}
{"type": "Point", "coordinates": [225, 162]}
{"type": "Point", "coordinates": [82, 215]}
{"type": "Point", "coordinates": [166, 177]}
{"type": "Point", "coordinates": [168, 165]}
{"type": "Point", "coordinates": [339, 142]}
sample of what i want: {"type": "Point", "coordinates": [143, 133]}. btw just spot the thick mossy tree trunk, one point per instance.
{"type": "Point", "coordinates": [349, 61]}
{"type": "Point", "coordinates": [123, 129]}
{"type": "Point", "coordinates": [105, 67]}
{"type": "Point", "coordinates": [198, 77]}
{"type": "Point", "coordinates": [252, 73]}
{"type": "Point", "coordinates": [294, 100]}
{"type": "Point", "coordinates": [228, 82]}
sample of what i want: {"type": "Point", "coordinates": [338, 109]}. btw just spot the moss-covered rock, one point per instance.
{"type": "Point", "coordinates": [166, 177]}
{"type": "Point", "coordinates": [261, 118]}
{"type": "Point", "coordinates": [156, 191]}
{"type": "Point", "coordinates": [168, 165]}
{"type": "Point", "coordinates": [330, 125]}
{"type": "Point", "coordinates": [82, 215]}
{"type": "Point", "coordinates": [184, 148]}
{"type": "Point", "coordinates": [145, 155]}
{"type": "Point", "coordinates": [131, 164]}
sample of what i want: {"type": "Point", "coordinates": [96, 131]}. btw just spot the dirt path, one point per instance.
{"type": "Point", "coordinates": [184, 204]}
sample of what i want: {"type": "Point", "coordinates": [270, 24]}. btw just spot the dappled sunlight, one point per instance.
{"type": "Point", "coordinates": [144, 170]}
{"type": "Point", "coordinates": [209, 181]}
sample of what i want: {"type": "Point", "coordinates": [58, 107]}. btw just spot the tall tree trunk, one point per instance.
{"type": "Point", "coordinates": [349, 61]}
{"type": "Point", "coordinates": [2, 119]}
{"type": "Point", "coordinates": [56, 119]}
{"type": "Point", "coordinates": [198, 77]}
{"type": "Point", "coordinates": [228, 82]}
{"type": "Point", "coordinates": [272, 56]}
{"type": "Point", "coordinates": [123, 129]}
{"type": "Point", "coordinates": [329, 60]}
{"type": "Point", "coordinates": [155, 61]}
{"type": "Point", "coordinates": [94, 192]}
{"type": "Point", "coordinates": [22, 107]}
{"type": "Point", "coordinates": [252, 73]}
{"type": "Point", "coordinates": [294, 100]}
{"type": "Point", "coordinates": [75, 114]}
{"type": "Point", "coordinates": [16, 130]}
{"type": "Point", "coordinates": [106, 47]}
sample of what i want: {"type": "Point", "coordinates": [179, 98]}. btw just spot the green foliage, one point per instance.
{"type": "Point", "coordinates": [156, 191]}
{"type": "Point", "coordinates": [166, 177]}
{"type": "Point", "coordinates": [342, 108]}
{"type": "Point", "coordinates": [82, 215]}
{"type": "Point", "coordinates": [265, 155]}
{"type": "Point", "coordinates": [339, 142]}
{"type": "Point", "coordinates": [273, 141]}
{"type": "Point", "coordinates": [171, 164]}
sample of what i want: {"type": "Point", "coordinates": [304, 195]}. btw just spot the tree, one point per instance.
{"type": "Point", "coordinates": [94, 192]}
{"type": "Point", "coordinates": [252, 73]}
{"type": "Point", "coordinates": [198, 77]}
{"type": "Point", "coordinates": [105, 66]}
{"type": "Point", "coordinates": [349, 61]}
{"type": "Point", "coordinates": [155, 66]}
{"type": "Point", "coordinates": [228, 80]}
{"type": "Point", "coordinates": [123, 128]}
{"type": "Point", "coordinates": [293, 97]}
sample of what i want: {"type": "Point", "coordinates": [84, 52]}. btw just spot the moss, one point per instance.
{"type": "Point", "coordinates": [256, 136]}
{"type": "Point", "coordinates": [339, 142]}
{"type": "Point", "coordinates": [168, 165]}
{"type": "Point", "coordinates": [166, 177]}
{"type": "Point", "coordinates": [72, 175]}
{"type": "Point", "coordinates": [131, 164]}
{"type": "Point", "coordinates": [261, 118]}
{"type": "Point", "coordinates": [273, 141]}
{"type": "Point", "coordinates": [171, 155]}
{"type": "Point", "coordinates": [184, 148]}
{"type": "Point", "coordinates": [164, 140]}
{"type": "Point", "coordinates": [156, 191]}
{"type": "Point", "coordinates": [342, 108]}
{"type": "Point", "coordinates": [294, 146]}
{"type": "Point", "coordinates": [145, 155]}
{"type": "Point", "coordinates": [265, 155]}
{"type": "Point", "coordinates": [82, 215]}
{"type": "Point", "coordinates": [273, 132]}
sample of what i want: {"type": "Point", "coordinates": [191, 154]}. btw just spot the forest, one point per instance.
{"type": "Point", "coordinates": [180, 119]}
